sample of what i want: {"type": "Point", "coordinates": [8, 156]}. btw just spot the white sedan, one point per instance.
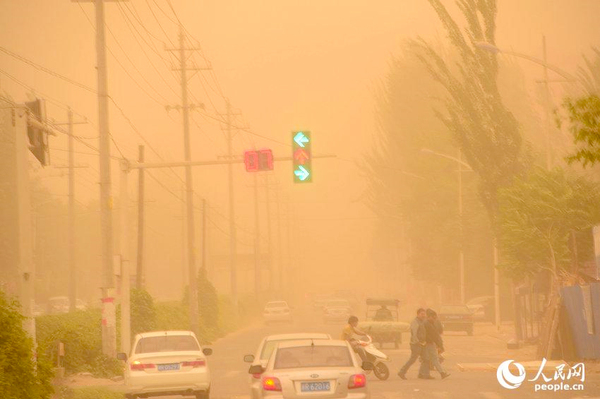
{"type": "Point", "coordinates": [277, 311]}
{"type": "Point", "coordinates": [316, 369]}
{"type": "Point", "coordinates": [167, 363]}
{"type": "Point", "coordinates": [266, 348]}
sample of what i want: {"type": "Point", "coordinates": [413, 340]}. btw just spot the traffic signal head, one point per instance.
{"type": "Point", "coordinates": [301, 157]}
{"type": "Point", "coordinates": [38, 139]}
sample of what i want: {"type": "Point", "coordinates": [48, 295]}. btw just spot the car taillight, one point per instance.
{"type": "Point", "coordinates": [271, 384]}
{"type": "Point", "coordinates": [357, 381]}
{"type": "Point", "coordinates": [141, 366]}
{"type": "Point", "coordinates": [194, 363]}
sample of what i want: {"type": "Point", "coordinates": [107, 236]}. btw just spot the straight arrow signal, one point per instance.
{"type": "Point", "coordinates": [301, 156]}
{"type": "Point", "coordinates": [302, 173]}
{"type": "Point", "coordinates": [301, 139]}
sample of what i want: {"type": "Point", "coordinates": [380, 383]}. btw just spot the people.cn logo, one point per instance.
{"type": "Point", "coordinates": [507, 379]}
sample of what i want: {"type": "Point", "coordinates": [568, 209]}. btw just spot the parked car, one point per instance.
{"type": "Point", "coordinates": [456, 318]}
{"type": "Point", "coordinates": [165, 363]}
{"type": "Point", "coordinates": [319, 301]}
{"type": "Point", "coordinates": [277, 311]}
{"type": "Point", "coordinates": [266, 348]}
{"type": "Point", "coordinates": [313, 368]}
{"type": "Point", "coordinates": [482, 308]}
{"type": "Point", "coordinates": [336, 310]}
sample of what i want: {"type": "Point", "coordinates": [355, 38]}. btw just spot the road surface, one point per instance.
{"type": "Point", "coordinates": [230, 378]}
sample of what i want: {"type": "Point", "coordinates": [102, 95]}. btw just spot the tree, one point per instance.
{"type": "Point", "coordinates": [583, 113]}
{"type": "Point", "coordinates": [143, 314]}
{"type": "Point", "coordinates": [208, 302]}
{"type": "Point", "coordinates": [485, 130]}
{"type": "Point", "coordinates": [538, 214]}
{"type": "Point", "coordinates": [584, 123]}
{"type": "Point", "coordinates": [415, 194]}
{"type": "Point", "coordinates": [19, 376]}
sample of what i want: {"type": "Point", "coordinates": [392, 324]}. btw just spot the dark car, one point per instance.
{"type": "Point", "coordinates": [456, 318]}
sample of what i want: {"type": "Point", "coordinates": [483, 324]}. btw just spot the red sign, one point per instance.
{"type": "Point", "coordinates": [259, 160]}
{"type": "Point", "coordinates": [251, 161]}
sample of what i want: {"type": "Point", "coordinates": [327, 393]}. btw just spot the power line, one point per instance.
{"type": "Point", "coordinates": [135, 32]}
{"type": "Point", "coordinates": [46, 70]}
{"type": "Point", "coordinates": [119, 61]}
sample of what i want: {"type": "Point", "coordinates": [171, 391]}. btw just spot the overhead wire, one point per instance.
{"type": "Point", "coordinates": [135, 33]}
{"type": "Point", "coordinates": [46, 70]}
{"type": "Point", "coordinates": [118, 61]}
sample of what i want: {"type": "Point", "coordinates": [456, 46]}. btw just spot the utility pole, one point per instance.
{"type": "Point", "coordinates": [232, 230]}
{"type": "Point", "coordinates": [204, 210]}
{"type": "Point", "coordinates": [269, 246]}
{"type": "Point", "coordinates": [189, 191]}
{"type": "Point", "coordinates": [139, 277]}
{"type": "Point", "coordinates": [183, 240]}
{"type": "Point", "coordinates": [124, 249]}
{"type": "Point", "coordinates": [461, 254]}
{"type": "Point", "coordinates": [71, 234]}
{"type": "Point", "coordinates": [547, 106]}
{"type": "Point", "coordinates": [279, 244]}
{"type": "Point", "coordinates": [109, 334]}
{"type": "Point", "coordinates": [257, 266]}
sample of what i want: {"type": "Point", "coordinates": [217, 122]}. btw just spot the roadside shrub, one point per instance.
{"type": "Point", "coordinates": [88, 393]}
{"type": "Point", "coordinates": [172, 316]}
{"type": "Point", "coordinates": [18, 375]}
{"type": "Point", "coordinates": [143, 313]}
{"type": "Point", "coordinates": [208, 304]}
{"type": "Point", "coordinates": [80, 331]}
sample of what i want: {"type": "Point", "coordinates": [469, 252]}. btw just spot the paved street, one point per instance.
{"type": "Point", "coordinates": [230, 377]}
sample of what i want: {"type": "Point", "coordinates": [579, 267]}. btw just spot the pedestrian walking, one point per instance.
{"type": "Point", "coordinates": [434, 345]}
{"type": "Point", "coordinates": [417, 341]}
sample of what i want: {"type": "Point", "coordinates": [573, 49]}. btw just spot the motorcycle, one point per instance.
{"type": "Point", "coordinates": [376, 357]}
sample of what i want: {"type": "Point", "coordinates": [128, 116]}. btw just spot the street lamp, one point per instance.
{"type": "Point", "coordinates": [495, 50]}
{"type": "Point", "coordinates": [491, 48]}
{"type": "Point", "coordinates": [460, 164]}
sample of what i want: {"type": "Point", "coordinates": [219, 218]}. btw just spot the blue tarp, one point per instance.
{"type": "Point", "coordinates": [583, 309]}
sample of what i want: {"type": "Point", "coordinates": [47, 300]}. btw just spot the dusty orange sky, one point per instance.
{"type": "Point", "coordinates": [286, 64]}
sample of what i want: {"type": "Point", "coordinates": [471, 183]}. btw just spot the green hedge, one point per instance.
{"type": "Point", "coordinates": [81, 334]}
{"type": "Point", "coordinates": [87, 393]}
{"type": "Point", "coordinates": [20, 377]}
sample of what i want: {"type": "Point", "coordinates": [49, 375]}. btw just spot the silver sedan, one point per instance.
{"type": "Point", "coordinates": [317, 369]}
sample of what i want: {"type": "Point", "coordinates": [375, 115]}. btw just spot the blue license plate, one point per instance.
{"type": "Point", "coordinates": [315, 386]}
{"type": "Point", "coordinates": [168, 367]}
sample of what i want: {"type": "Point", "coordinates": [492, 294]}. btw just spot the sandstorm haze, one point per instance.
{"type": "Point", "coordinates": [286, 65]}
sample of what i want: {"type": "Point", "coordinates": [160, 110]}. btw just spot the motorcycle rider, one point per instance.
{"type": "Point", "coordinates": [349, 334]}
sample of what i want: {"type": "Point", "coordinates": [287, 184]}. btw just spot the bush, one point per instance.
{"type": "Point", "coordinates": [88, 393]}
{"type": "Point", "coordinates": [172, 316]}
{"type": "Point", "coordinates": [143, 313]}
{"type": "Point", "coordinates": [81, 333]}
{"type": "Point", "coordinates": [19, 377]}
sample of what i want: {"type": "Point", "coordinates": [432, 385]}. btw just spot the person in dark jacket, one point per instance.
{"type": "Point", "coordinates": [433, 345]}
{"type": "Point", "coordinates": [417, 341]}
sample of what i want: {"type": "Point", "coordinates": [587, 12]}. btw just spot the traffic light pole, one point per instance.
{"type": "Point", "coordinates": [139, 275]}
{"type": "Point", "coordinates": [257, 268]}
{"type": "Point", "coordinates": [232, 230]}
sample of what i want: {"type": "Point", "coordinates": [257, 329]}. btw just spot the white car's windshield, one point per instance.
{"type": "Point", "coordinates": [313, 356]}
{"type": "Point", "coordinates": [167, 343]}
